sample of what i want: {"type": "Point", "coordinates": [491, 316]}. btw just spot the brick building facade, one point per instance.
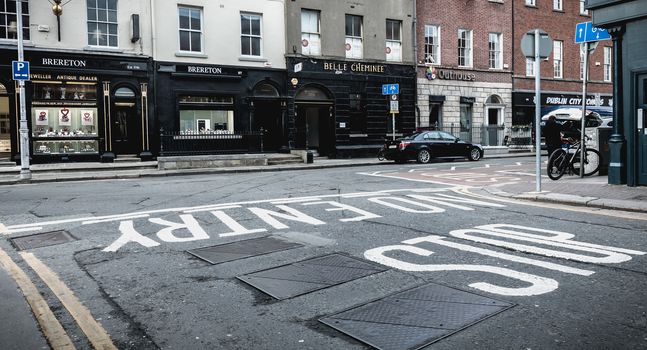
{"type": "Point", "coordinates": [561, 81]}
{"type": "Point", "coordinates": [465, 68]}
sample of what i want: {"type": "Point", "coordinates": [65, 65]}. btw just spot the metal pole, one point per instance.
{"type": "Point", "coordinates": [393, 122]}
{"type": "Point", "coordinates": [537, 114]}
{"type": "Point", "coordinates": [25, 172]}
{"type": "Point", "coordinates": [585, 48]}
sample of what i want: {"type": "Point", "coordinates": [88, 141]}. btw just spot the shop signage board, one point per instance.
{"type": "Point", "coordinates": [585, 32]}
{"type": "Point", "coordinates": [20, 70]}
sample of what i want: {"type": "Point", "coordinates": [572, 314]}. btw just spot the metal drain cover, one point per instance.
{"type": "Point", "coordinates": [414, 318]}
{"type": "Point", "coordinates": [310, 275]}
{"type": "Point", "coordinates": [42, 240]}
{"type": "Point", "coordinates": [218, 254]}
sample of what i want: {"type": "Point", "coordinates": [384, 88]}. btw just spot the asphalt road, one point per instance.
{"type": "Point", "coordinates": [573, 278]}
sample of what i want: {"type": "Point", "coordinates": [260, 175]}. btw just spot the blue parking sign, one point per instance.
{"type": "Point", "coordinates": [20, 70]}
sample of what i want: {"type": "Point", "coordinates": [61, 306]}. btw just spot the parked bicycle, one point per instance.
{"type": "Point", "coordinates": [569, 159]}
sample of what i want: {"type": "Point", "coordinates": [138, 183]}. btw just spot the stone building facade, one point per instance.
{"type": "Point", "coordinates": [464, 68]}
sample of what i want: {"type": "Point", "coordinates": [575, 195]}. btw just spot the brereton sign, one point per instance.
{"type": "Point", "coordinates": [434, 73]}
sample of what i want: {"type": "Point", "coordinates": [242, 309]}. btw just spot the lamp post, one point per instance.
{"type": "Point", "coordinates": [25, 172]}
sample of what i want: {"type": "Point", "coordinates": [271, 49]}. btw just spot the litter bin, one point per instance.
{"type": "Point", "coordinates": [310, 156]}
{"type": "Point", "coordinates": [603, 134]}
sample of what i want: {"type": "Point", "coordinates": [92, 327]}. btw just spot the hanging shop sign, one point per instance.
{"type": "Point", "coordinates": [433, 73]}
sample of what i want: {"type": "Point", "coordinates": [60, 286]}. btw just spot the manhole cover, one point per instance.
{"type": "Point", "coordinates": [414, 318]}
{"type": "Point", "coordinates": [310, 275]}
{"type": "Point", "coordinates": [42, 240]}
{"type": "Point", "coordinates": [218, 254]}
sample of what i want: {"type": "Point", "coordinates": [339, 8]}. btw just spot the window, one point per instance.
{"type": "Point", "coordinates": [190, 29]}
{"type": "Point", "coordinates": [464, 48]}
{"type": "Point", "coordinates": [432, 44]}
{"type": "Point", "coordinates": [557, 5]}
{"type": "Point", "coordinates": [607, 64]}
{"type": "Point", "coordinates": [557, 59]}
{"type": "Point", "coordinates": [530, 67]}
{"type": "Point", "coordinates": [8, 20]}
{"type": "Point", "coordinates": [393, 40]}
{"type": "Point", "coordinates": [102, 23]}
{"type": "Point", "coordinates": [250, 34]}
{"type": "Point", "coordinates": [531, 3]}
{"type": "Point", "coordinates": [354, 47]}
{"type": "Point", "coordinates": [310, 34]}
{"type": "Point", "coordinates": [496, 51]}
{"type": "Point", "coordinates": [206, 114]}
{"type": "Point", "coordinates": [581, 65]}
{"type": "Point", "coordinates": [435, 116]}
{"type": "Point", "coordinates": [583, 10]}
{"type": "Point", "coordinates": [357, 114]}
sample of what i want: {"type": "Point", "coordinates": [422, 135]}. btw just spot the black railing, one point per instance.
{"type": "Point", "coordinates": [216, 142]}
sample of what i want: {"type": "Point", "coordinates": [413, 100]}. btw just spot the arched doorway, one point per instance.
{"type": "Point", "coordinates": [494, 120]}
{"type": "Point", "coordinates": [5, 123]}
{"type": "Point", "coordinates": [125, 122]}
{"type": "Point", "coordinates": [269, 115]}
{"type": "Point", "coordinates": [314, 120]}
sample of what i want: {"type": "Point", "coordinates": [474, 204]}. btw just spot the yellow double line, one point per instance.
{"type": "Point", "coordinates": [52, 329]}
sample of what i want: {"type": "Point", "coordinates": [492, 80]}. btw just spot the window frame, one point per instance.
{"type": "Point", "coordinates": [26, 28]}
{"type": "Point", "coordinates": [558, 5]}
{"type": "Point", "coordinates": [395, 42]}
{"type": "Point", "coordinates": [467, 55]}
{"type": "Point", "coordinates": [583, 10]}
{"type": "Point", "coordinates": [190, 30]}
{"type": "Point", "coordinates": [530, 69]}
{"type": "Point", "coordinates": [432, 45]}
{"type": "Point", "coordinates": [351, 37]}
{"type": "Point", "coordinates": [532, 3]}
{"type": "Point", "coordinates": [558, 60]}
{"type": "Point", "coordinates": [310, 34]}
{"type": "Point", "coordinates": [497, 51]}
{"type": "Point", "coordinates": [252, 36]}
{"type": "Point", "coordinates": [608, 73]}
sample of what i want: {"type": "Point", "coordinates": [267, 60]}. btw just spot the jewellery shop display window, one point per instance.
{"type": "Point", "coordinates": [64, 118]}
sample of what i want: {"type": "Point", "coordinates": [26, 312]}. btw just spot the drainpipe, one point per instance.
{"type": "Point", "coordinates": [153, 36]}
{"type": "Point", "coordinates": [414, 35]}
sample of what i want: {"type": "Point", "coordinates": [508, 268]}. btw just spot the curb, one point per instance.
{"type": "Point", "coordinates": [574, 200]}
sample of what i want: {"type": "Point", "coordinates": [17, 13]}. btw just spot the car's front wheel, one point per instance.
{"type": "Point", "coordinates": [424, 156]}
{"type": "Point", "coordinates": [475, 154]}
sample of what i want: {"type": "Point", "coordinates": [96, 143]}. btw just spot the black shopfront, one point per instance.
{"type": "Point", "coordinates": [80, 107]}
{"type": "Point", "coordinates": [215, 102]}
{"type": "Point", "coordinates": [523, 104]}
{"type": "Point", "coordinates": [337, 108]}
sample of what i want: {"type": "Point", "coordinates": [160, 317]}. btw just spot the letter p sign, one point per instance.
{"type": "Point", "coordinates": [20, 70]}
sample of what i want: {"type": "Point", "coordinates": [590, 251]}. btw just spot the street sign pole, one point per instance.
{"type": "Point", "coordinates": [537, 114]}
{"type": "Point", "coordinates": [585, 51]}
{"type": "Point", "coordinates": [393, 124]}
{"type": "Point", "coordinates": [25, 172]}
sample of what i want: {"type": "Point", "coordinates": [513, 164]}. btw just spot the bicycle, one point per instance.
{"type": "Point", "coordinates": [564, 159]}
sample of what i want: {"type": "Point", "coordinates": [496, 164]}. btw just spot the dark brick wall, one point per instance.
{"type": "Point", "coordinates": [560, 25]}
{"type": "Point", "coordinates": [482, 17]}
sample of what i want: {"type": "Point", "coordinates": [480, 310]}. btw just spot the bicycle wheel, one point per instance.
{"type": "Point", "coordinates": [591, 162]}
{"type": "Point", "coordinates": [557, 164]}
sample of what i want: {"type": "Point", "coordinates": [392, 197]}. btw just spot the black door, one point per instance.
{"type": "Point", "coordinates": [126, 129]}
{"type": "Point", "coordinates": [641, 118]}
{"type": "Point", "coordinates": [315, 127]}
{"type": "Point", "coordinates": [268, 115]}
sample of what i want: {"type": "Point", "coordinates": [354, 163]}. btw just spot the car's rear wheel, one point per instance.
{"type": "Point", "coordinates": [475, 154]}
{"type": "Point", "coordinates": [424, 156]}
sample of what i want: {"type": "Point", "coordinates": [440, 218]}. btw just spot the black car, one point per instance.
{"type": "Point", "coordinates": [425, 145]}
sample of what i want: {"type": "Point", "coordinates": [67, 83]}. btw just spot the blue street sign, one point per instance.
{"type": "Point", "coordinates": [20, 70]}
{"type": "Point", "coordinates": [390, 89]}
{"type": "Point", "coordinates": [585, 32]}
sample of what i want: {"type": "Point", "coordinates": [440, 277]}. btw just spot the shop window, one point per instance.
{"type": "Point", "coordinates": [64, 118]}
{"type": "Point", "coordinates": [354, 45]}
{"type": "Point", "coordinates": [5, 122]}
{"type": "Point", "coordinates": [8, 20]}
{"type": "Point", "coordinates": [393, 40]}
{"type": "Point", "coordinates": [465, 116]}
{"type": "Point", "coordinates": [190, 29]}
{"type": "Point", "coordinates": [310, 32]}
{"type": "Point", "coordinates": [250, 35]}
{"type": "Point", "coordinates": [435, 114]}
{"type": "Point", "coordinates": [357, 114]}
{"type": "Point", "coordinates": [102, 23]}
{"type": "Point", "coordinates": [206, 115]}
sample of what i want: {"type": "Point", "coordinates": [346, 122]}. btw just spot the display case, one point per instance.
{"type": "Point", "coordinates": [64, 118]}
